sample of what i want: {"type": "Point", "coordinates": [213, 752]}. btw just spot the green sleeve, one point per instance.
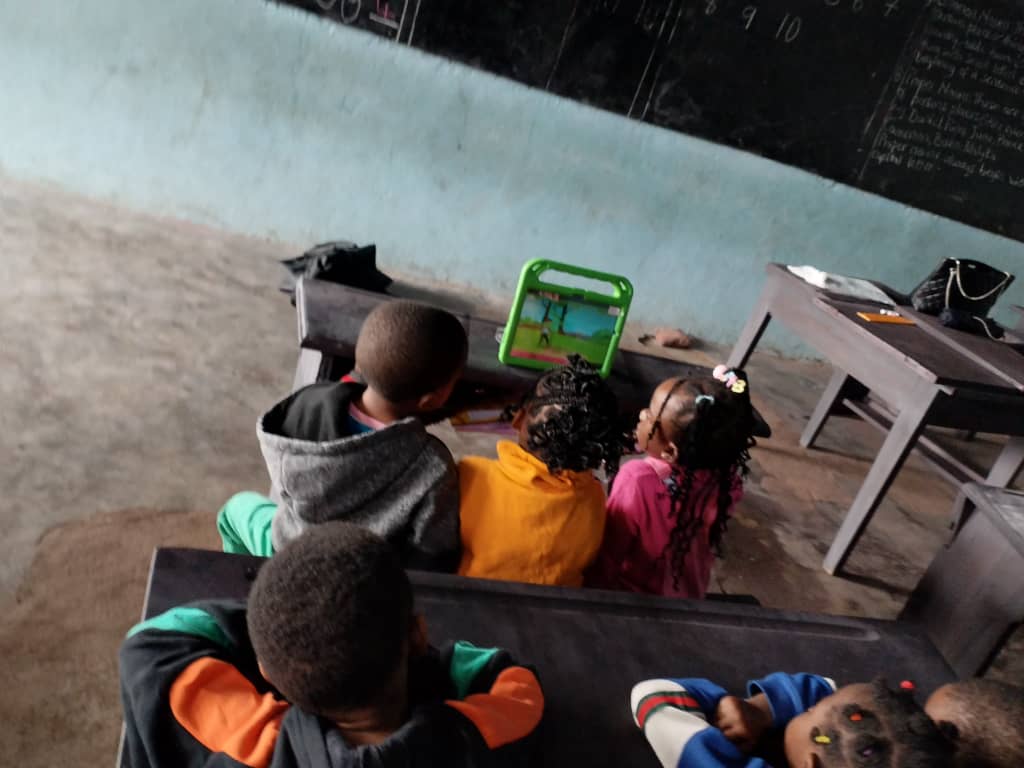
{"type": "Point", "coordinates": [467, 662]}
{"type": "Point", "coordinates": [188, 620]}
{"type": "Point", "coordinates": [244, 524]}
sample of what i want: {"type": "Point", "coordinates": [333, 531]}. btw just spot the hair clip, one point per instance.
{"type": "Point", "coordinates": [856, 717]}
{"type": "Point", "coordinates": [908, 685]}
{"type": "Point", "coordinates": [730, 378]}
{"type": "Point", "coordinates": [709, 399]}
{"type": "Point", "coordinates": [822, 740]}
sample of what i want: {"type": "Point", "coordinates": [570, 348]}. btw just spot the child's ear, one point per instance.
{"type": "Point", "coordinates": [418, 643]}
{"type": "Point", "coordinates": [434, 401]}
{"type": "Point", "coordinates": [670, 453]}
{"type": "Point", "coordinates": [263, 672]}
{"type": "Point", "coordinates": [429, 402]}
{"type": "Point", "coordinates": [517, 419]}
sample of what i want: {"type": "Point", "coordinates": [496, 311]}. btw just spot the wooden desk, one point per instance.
{"type": "Point", "coordinates": [899, 378]}
{"type": "Point", "coordinates": [972, 596]}
{"type": "Point", "coordinates": [330, 316]}
{"type": "Point", "coordinates": [590, 647]}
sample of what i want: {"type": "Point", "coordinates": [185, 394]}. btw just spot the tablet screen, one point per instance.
{"type": "Point", "coordinates": [553, 326]}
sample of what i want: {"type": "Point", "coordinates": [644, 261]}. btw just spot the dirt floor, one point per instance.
{"type": "Point", "coordinates": [137, 354]}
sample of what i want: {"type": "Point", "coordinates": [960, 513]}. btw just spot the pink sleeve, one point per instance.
{"type": "Point", "coordinates": [627, 513]}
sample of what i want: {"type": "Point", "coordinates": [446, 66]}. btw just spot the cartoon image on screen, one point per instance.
{"type": "Point", "coordinates": [553, 326]}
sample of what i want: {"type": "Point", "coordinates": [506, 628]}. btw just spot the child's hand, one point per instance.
{"type": "Point", "coordinates": [742, 721]}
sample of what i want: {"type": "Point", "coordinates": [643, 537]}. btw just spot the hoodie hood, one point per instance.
{"type": "Point", "coordinates": [374, 479]}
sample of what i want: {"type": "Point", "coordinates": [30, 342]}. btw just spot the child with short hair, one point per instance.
{"type": "Point", "coordinates": [695, 723]}
{"type": "Point", "coordinates": [667, 512]}
{"type": "Point", "coordinates": [986, 718]}
{"type": "Point", "coordinates": [536, 513]}
{"type": "Point", "coordinates": [359, 451]}
{"type": "Point", "coordinates": [329, 666]}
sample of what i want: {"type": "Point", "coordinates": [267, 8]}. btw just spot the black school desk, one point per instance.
{"type": "Point", "coordinates": [900, 378]}
{"type": "Point", "coordinates": [971, 598]}
{"type": "Point", "coordinates": [330, 316]}
{"type": "Point", "coordinates": [590, 647]}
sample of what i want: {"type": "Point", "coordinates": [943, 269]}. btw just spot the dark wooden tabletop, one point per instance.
{"type": "Point", "coordinates": [589, 647]}
{"type": "Point", "coordinates": [1004, 507]}
{"type": "Point", "coordinates": [926, 353]}
{"type": "Point", "coordinates": [942, 355]}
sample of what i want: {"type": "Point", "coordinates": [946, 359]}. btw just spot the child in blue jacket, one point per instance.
{"type": "Point", "coordinates": [694, 723]}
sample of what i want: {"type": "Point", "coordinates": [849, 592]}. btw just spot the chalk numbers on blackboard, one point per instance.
{"type": "Point", "coordinates": [789, 28]}
{"type": "Point", "coordinates": [787, 31]}
{"type": "Point", "coordinates": [348, 10]}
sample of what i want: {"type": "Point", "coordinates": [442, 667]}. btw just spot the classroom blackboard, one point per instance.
{"type": "Point", "coordinates": [921, 101]}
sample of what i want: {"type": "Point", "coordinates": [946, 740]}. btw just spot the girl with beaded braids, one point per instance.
{"type": "Point", "coordinates": [695, 723]}
{"type": "Point", "coordinates": [536, 514]}
{"type": "Point", "coordinates": [667, 512]}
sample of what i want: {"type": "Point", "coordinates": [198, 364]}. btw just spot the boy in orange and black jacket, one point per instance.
{"type": "Point", "coordinates": [327, 668]}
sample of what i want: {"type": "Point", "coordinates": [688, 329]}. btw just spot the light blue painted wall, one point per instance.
{"type": "Point", "coordinates": [264, 120]}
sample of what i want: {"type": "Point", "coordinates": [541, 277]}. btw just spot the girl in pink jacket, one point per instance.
{"type": "Point", "coordinates": [667, 512]}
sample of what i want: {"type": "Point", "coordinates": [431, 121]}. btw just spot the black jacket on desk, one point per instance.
{"type": "Point", "coordinates": [193, 696]}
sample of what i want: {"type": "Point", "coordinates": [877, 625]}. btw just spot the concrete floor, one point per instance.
{"type": "Point", "coordinates": [137, 353]}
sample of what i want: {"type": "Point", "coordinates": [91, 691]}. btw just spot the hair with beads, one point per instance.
{"type": "Point", "coordinates": [888, 730]}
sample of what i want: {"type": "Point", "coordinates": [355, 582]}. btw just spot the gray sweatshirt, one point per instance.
{"type": "Point", "coordinates": [399, 481]}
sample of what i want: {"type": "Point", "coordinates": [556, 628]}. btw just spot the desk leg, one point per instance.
{"type": "Point", "coordinates": [755, 326]}
{"type": "Point", "coordinates": [1003, 472]}
{"type": "Point", "coordinates": [898, 443]}
{"type": "Point", "coordinates": [307, 371]}
{"type": "Point", "coordinates": [829, 398]}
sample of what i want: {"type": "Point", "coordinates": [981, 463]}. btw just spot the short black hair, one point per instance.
{"type": "Point", "coordinates": [890, 730]}
{"type": "Point", "coordinates": [988, 718]}
{"type": "Point", "coordinates": [406, 350]}
{"type": "Point", "coordinates": [573, 419]}
{"type": "Point", "coordinates": [330, 618]}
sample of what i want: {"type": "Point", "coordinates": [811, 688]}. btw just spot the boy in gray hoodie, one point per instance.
{"type": "Point", "coordinates": [358, 451]}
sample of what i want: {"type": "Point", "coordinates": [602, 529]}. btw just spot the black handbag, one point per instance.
{"type": "Point", "coordinates": [959, 320]}
{"type": "Point", "coordinates": [960, 284]}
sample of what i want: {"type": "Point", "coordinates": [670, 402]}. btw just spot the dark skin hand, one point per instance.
{"type": "Point", "coordinates": [743, 721]}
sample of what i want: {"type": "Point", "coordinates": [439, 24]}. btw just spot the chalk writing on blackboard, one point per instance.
{"type": "Point", "coordinates": [383, 17]}
{"type": "Point", "coordinates": [956, 99]}
{"type": "Point", "coordinates": [918, 100]}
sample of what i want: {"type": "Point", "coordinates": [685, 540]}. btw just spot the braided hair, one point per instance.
{"type": "Point", "coordinates": [890, 730]}
{"type": "Point", "coordinates": [572, 419]}
{"type": "Point", "coordinates": [712, 429]}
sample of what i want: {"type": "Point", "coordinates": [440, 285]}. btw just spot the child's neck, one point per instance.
{"type": "Point", "coordinates": [377, 407]}
{"type": "Point", "coordinates": [372, 725]}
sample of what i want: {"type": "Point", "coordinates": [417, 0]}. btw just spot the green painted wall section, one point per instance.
{"type": "Point", "coordinates": [261, 119]}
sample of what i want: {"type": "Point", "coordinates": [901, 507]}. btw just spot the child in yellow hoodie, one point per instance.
{"type": "Point", "coordinates": [536, 513]}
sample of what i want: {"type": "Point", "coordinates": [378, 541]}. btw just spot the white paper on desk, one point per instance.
{"type": "Point", "coordinates": [854, 287]}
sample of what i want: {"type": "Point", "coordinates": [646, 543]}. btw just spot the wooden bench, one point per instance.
{"type": "Point", "coordinates": [972, 596]}
{"type": "Point", "coordinates": [589, 647]}
{"type": "Point", "coordinates": [330, 316]}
